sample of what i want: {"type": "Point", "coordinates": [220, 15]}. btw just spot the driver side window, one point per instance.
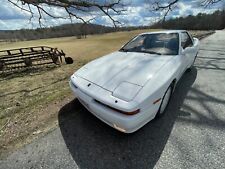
{"type": "Point", "coordinates": [186, 40]}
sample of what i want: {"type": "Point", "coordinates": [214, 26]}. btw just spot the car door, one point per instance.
{"type": "Point", "coordinates": [188, 49]}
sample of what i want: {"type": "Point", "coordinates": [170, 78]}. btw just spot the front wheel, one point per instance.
{"type": "Point", "coordinates": [165, 101]}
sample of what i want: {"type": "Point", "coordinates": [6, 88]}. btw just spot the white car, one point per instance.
{"type": "Point", "coordinates": [128, 88]}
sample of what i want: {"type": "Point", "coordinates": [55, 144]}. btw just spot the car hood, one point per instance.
{"type": "Point", "coordinates": [113, 69]}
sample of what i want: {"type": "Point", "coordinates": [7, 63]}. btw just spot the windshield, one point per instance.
{"type": "Point", "coordinates": [159, 43]}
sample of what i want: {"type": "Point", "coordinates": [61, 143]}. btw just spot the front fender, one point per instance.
{"type": "Point", "coordinates": [156, 87]}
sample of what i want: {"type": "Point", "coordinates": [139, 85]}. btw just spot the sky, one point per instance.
{"type": "Point", "coordinates": [137, 13]}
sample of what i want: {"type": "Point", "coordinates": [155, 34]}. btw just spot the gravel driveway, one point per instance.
{"type": "Point", "coordinates": [190, 135]}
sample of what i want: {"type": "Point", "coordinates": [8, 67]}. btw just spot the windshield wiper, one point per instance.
{"type": "Point", "coordinates": [123, 50]}
{"type": "Point", "coordinates": [153, 52]}
{"type": "Point", "coordinates": [150, 52]}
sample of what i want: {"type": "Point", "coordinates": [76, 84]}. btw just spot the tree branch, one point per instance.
{"type": "Point", "coordinates": [108, 8]}
{"type": "Point", "coordinates": [72, 8]}
{"type": "Point", "coordinates": [166, 8]}
{"type": "Point", "coordinates": [206, 3]}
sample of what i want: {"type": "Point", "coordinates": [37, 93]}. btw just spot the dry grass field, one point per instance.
{"type": "Point", "coordinates": [29, 102]}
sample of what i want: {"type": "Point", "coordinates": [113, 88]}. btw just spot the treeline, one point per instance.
{"type": "Point", "coordinates": [78, 29]}
{"type": "Point", "coordinates": [202, 21]}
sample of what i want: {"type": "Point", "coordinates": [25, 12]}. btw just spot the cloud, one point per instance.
{"type": "Point", "coordinates": [8, 12]}
{"type": "Point", "coordinates": [137, 13]}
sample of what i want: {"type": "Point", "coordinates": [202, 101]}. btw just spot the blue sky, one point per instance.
{"type": "Point", "coordinates": [137, 13]}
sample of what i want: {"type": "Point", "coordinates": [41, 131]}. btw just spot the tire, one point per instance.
{"type": "Point", "coordinates": [68, 60]}
{"type": "Point", "coordinates": [165, 101]}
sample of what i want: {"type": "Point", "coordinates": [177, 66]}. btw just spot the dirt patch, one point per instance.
{"type": "Point", "coordinates": [19, 131]}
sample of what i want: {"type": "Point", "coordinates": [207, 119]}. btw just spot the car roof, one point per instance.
{"type": "Point", "coordinates": [164, 31]}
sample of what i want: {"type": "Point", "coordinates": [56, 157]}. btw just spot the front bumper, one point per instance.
{"type": "Point", "coordinates": [119, 121]}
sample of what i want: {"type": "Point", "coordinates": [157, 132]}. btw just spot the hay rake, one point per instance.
{"type": "Point", "coordinates": [31, 57]}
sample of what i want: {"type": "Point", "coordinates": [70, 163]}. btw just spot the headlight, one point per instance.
{"type": "Point", "coordinates": [126, 91]}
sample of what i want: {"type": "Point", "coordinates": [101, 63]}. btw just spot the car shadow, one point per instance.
{"type": "Point", "coordinates": [93, 144]}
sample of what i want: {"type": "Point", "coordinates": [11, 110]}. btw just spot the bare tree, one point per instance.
{"type": "Point", "coordinates": [108, 8]}
{"type": "Point", "coordinates": [73, 8]}
{"type": "Point", "coordinates": [166, 7]}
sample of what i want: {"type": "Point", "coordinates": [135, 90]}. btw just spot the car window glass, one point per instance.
{"type": "Point", "coordinates": [186, 40]}
{"type": "Point", "coordinates": [157, 43]}
{"type": "Point", "coordinates": [138, 41]}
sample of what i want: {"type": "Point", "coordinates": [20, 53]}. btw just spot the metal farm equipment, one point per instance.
{"type": "Point", "coordinates": [22, 58]}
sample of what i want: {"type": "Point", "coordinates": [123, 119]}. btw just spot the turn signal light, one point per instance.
{"type": "Point", "coordinates": [123, 112]}
{"type": "Point", "coordinates": [156, 101]}
{"type": "Point", "coordinates": [120, 111]}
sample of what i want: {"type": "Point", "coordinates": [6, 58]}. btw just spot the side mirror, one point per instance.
{"type": "Point", "coordinates": [196, 41]}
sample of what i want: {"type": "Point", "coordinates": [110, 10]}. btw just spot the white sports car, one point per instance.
{"type": "Point", "coordinates": [128, 88]}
